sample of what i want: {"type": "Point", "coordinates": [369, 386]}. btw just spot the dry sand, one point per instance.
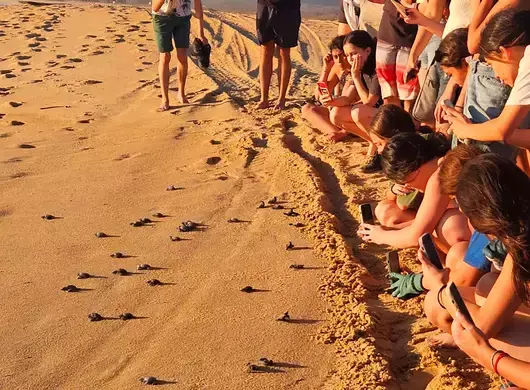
{"type": "Point", "coordinates": [79, 88]}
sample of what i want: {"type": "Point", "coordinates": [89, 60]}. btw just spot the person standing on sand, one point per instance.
{"type": "Point", "coordinates": [171, 21]}
{"type": "Point", "coordinates": [278, 24]}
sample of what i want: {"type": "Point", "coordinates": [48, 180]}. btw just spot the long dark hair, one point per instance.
{"type": "Point", "coordinates": [391, 120]}
{"type": "Point", "coordinates": [363, 40]}
{"type": "Point", "coordinates": [493, 193]}
{"type": "Point", "coordinates": [337, 43]}
{"type": "Point", "coordinates": [453, 49]}
{"type": "Point", "coordinates": [407, 152]}
{"type": "Point", "coordinates": [508, 28]}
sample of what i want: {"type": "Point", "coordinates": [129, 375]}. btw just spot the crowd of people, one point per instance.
{"type": "Point", "coordinates": [440, 91]}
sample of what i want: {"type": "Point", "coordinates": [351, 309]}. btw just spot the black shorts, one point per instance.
{"type": "Point", "coordinates": [278, 25]}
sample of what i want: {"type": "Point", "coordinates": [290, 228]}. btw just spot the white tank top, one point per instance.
{"type": "Point", "coordinates": [459, 16]}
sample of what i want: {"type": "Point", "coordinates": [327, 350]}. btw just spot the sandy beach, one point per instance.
{"type": "Point", "coordinates": [80, 140]}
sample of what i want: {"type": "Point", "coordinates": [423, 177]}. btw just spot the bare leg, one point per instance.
{"type": "Point", "coordinates": [265, 73]}
{"type": "Point", "coordinates": [182, 58]}
{"type": "Point", "coordinates": [408, 105]}
{"type": "Point", "coordinates": [284, 70]}
{"type": "Point", "coordinates": [163, 74]}
{"type": "Point", "coordinates": [318, 117]}
{"type": "Point", "coordinates": [342, 117]}
{"type": "Point", "coordinates": [453, 228]}
{"type": "Point", "coordinates": [389, 214]}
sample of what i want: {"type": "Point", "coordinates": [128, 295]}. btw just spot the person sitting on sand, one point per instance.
{"type": "Point", "coordinates": [278, 24]}
{"type": "Point", "coordinates": [493, 193]}
{"type": "Point", "coordinates": [335, 73]}
{"type": "Point", "coordinates": [411, 160]}
{"type": "Point", "coordinates": [171, 22]}
{"type": "Point", "coordinates": [389, 121]}
{"type": "Point", "coordinates": [359, 48]}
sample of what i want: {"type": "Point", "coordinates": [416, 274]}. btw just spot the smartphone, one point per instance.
{"type": "Point", "coordinates": [392, 262]}
{"type": "Point", "coordinates": [366, 213]}
{"type": "Point", "coordinates": [457, 300]}
{"type": "Point", "coordinates": [323, 89]}
{"type": "Point", "coordinates": [430, 250]}
{"type": "Point", "coordinates": [449, 103]}
{"type": "Point", "coordinates": [412, 74]}
{"type": "Point", "coordinates": [400, 7]}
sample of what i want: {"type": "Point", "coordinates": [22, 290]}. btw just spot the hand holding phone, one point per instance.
{"type": "Point", "coordinates": [323, 89]}
{"type": "Point", "coordinates": [429, 248]}
{"type": "Point", "coordinates": [458, 301]}
{"type": "Point", "coordinates": [392, 262]}
{"type": "Point", "coordinates": [366, 214]}
{"type": "Point", "coordinates": [400, 8]}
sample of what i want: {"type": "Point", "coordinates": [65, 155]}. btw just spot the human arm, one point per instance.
{"type": "Point", "coordinates": [364, 93]}
{"type": "Point", "coordinates": [348, 97]}
{"type": "Point", "coordinates": [157, 4]}
{"type": "Point", "coordinates": [448, 94]}
{"type": "Point", "coordinates": [414, 16]}
{"type": "Point", "coordinates": [474, 343]}
{"type": "Point", "coordinates": [432, 209]}
{"type": "Point", "coordinates": [200, 16]}
{"type": "Point", "coordinates": [501, 128]}
{"type": "Point", "coordinates": [328, 75]}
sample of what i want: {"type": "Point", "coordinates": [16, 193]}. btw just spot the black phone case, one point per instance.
{"type": "Point", "coordinates": [392, 262]}
{"type": "Point", "coordinates": [457, 300]}
{"type": "Point", "coordinates": [366, 214]}
{"type": "Point", "coordinates": [430, 251]}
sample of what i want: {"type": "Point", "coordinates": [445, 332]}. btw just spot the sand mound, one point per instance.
{"type": "Point", "coordinates": [80, 140]}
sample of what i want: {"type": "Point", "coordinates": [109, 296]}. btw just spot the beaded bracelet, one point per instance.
{"type": "Point", "coordinates": [439, 295]}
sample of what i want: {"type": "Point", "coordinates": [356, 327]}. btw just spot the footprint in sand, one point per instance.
{"type": "Point", "coordinates": [97, 53]}
{"type": "Point", "coordinates": [104, 47]}
{"type": "Point", "coordinates": [147, 63]}
{"type": "Point", "coordinates": [139, 70]}
{"type": "Point", "coordinates": [17, 123]}
{"type": "Point", "coordinates": [85, 121]}
{"type": "Point", "coordinates": [91, 82]}
{"type": "Point", "coordinates": [1, 116]}
{"type": "Point", "coordinates": [32, 35]}
{"type": "Point", "coordinates": [75, 60]}
{"type": "Point", "coordinates": [34, 44]}
{"type": "Point", "coordinates": [36, 50]}
{"type": "Point", "coordinates": [21, 63]}
{"type": "Point", "coordinates": [10, 76]}
{"type": "Point", "coordinates": [119, 40]}
{"type": "Point", "coordinates": [15, 104]}
{"type": "Point", "coordinates": [26, 146]}
{"type": "Point", "coordinates": [23, 58]}
{"type": "Point", "coordinates": [91, 36]}
{"type": "Point", "coordinates": [59, 56]}
{"type": "Point", "coordinates": [5, 71]}
{"type": "Point", "coordinates": [66, 67]}
{"type": "Point", "coordinates": [140, 45]}
{"type": "Point", "coordinates": [40, 39]}
{"type": "Point", "coordinates": [25, 69]}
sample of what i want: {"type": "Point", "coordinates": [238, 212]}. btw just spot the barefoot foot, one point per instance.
{"type": "Point", "coordinates": [263, 104]}
{"type": "Point", "coordinates": [280, 105]}
{"type": "Point", "coordinates": [339, 136]}
{"type": "Point", "coordinates": [163, 107]}
{"type": "Point", "coordinates": [181, 98]}
{"type": "Point", "coordinates": [443, 340]}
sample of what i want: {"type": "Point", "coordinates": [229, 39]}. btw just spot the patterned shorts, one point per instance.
{"type": "Point", "coordinates": [391, 62]}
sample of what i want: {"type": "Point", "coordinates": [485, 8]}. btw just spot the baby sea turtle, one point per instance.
{"type": "Point", "coordinates": [145, 220]}
{"type": "Point", "coordinates": [171, 188]}
{"type": "Point", "coordinates": [292, 213]}
{"type": "Point", "coordinates": [266, 362]}
{"type": "Point", "coordinates": [83, 275]}
{"type": "Point", "coordinates": [137, 223]}
{"type": "Point", "coordinates": [285, 317]}
{"type": "Point", "coordinates": [148, 380]}
{"type": "Point", "coordinates": [247, 289]}
{"type": "Point", "coordinates": [101, 235]}
{"type": "Point", "coordinates": [174, 239]}
{"type": "Point", "coordinates": [94, 317]}
{"type": "Point", "coordinates": [296, 266]}
{"type": "Point", "coordinates": [143, 267]}
{"type": "Point", "coordinates": [254, 368]}
{"type": "Point", "coordinates": [187, 226]}
{"type": "Point", "coordinates": [126, 316]}
{"type": "Point", "coordinates": [121, 272]}
{"type": "Point", "coordinates": [297, 225]}
{"type": "Point", "coordinates": [289, 246]}
{"type": "Point", "coordinates": [70, 288]}
{"type": "Point", "coordinates": [117, 255]}
{"type": "Point", "coordinates": [234, 220]}
{"type": "Point", "coordinates": [48, 217]}
{"type": "Point", "coordinates": [273, 201]}
{"type": "Point", "coordinates": [278, 207]}
{"type": "Point", "coordinates": [154, 282]}
{"type": "Point", "coordinates": [261, 205]}
{"type": "Point", "coordinates": [158, 215]}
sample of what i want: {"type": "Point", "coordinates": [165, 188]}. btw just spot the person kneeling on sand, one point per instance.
{"type": "Point", "coordinates": [278, 24]}
{"type": "Point", "coordinates": [493, 193]}
{"type": "Point", "coordinates": [335, 73]}
{"type": "Point", "coordinates": [411, 160]}
{"type": "Point", "coordinates": [171, 22]}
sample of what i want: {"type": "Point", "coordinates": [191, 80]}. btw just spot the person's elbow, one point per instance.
{"type": "Point", "coordinates": [473, 43]}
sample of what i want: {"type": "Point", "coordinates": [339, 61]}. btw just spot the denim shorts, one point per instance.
{"type": "Point", "coordinates": [427, 56]}
{"type": "Point", "coordinates": [474, 256]}
{"type": "Point", "coordinates": [485, 100]}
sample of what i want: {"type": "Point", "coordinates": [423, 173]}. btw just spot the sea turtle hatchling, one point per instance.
{"type": "Point", "coordinates": [266, 362]}
{"type": "Point", "coordinates": [261, 205]}
{"type": "Point", "coordinates": [292, 213]}
{"type": "Point", "coordinates": [143, 267]}
{"type": "Point", "coordinates": [101, 235]}
{"type": "Point", "coordinates": [126, 316]}
{"type": "Point", "coordinates": [285, 317]}
{"type": "Point", "coordinates": [148, 380]}
{"type": "Point", "coordinates": [70, 288]}
{"type": "Point", "coordinates": [48, 217]}
{"type": "Point", "coordinates": [94, 317]}
{"type": "Point", "coordinates": [274, 200]}
{"type": "Point", "coordinates": [158, 215]}
{"type": "Point", "coordinates": [145, 220]}
{"type": "Point", "coordinates": [83, 275]}
{"type": "Point", "coordinates": [278, 207]}
{"type": "Point", "coordinates": [174, 238]}
{"type": "Point", "coordinates": [297, 225]}
{"type": "Point", "coordinates": [121, 272]}
{"type": "Point", "coordinates": [254, 368]}
{"type": "Point", "coordinates": [289, 246]}
{"type": "Point", "coordinates": [171, 188]}
{"type": "Point", "coordinates": [187, 226]}
{"type": "Point", "coordinates": [137, 223]}
{"type": "Point", "coordinates": [234, 220]}
{"type": "Point", "coordinates": [154, 282]}
{"type": "Point", "coordinates": [117, 255]}
{"type": "Point", "coordinates": [297, 266]}
{"type": "Point", "coordinates": [247, 289]}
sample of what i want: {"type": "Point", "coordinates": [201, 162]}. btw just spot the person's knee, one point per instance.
{"type": "Point", "coordinates": [334, 116]}
{"type": "Point", "coordinates": [285, 54]}
{"type": "Point", "coordinates": [182, 56]}
{"type": "Point", "coordinates": [485, 284]}
{"type": "Point", "coordinates": [385, 213]}
{"type": "Point", "coordinates": [456, 254]}
{"type": "Point", "coordinates": [433, 311]}
{"type": "Point", "coordinates": [165, 58]}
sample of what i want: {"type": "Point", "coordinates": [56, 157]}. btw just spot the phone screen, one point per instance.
{"type": "Point", "coordinates": [457, 300]}
{"type": "Point", "coordinates": [366, 213]}
{"type": "Point", "coordinates": [400, 7]}
{"type": "Point", "coordinates": [430, 250]}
